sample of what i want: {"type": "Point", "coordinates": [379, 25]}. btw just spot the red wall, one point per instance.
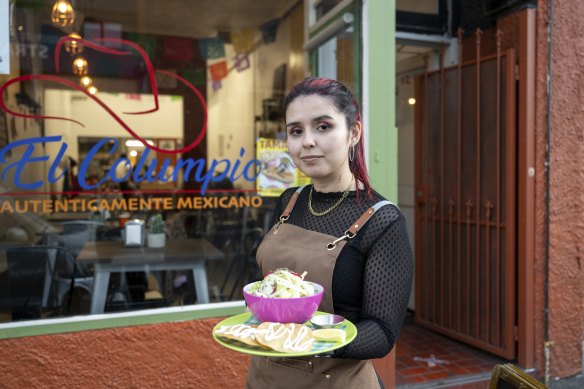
{"type": "Point", "coordinates": [566, 291]}
{"type": "Point", "coordinates": [179, 354]}
{"type": "Point", "coordinates": [566, 233]}
{"type": "Point", "coordinates": [540, 129]}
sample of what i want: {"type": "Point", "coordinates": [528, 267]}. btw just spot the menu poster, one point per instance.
{"type": "Point", "coordinates": [278, 172]}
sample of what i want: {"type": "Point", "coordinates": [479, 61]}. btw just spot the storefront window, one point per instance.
{"type": "Point", "coordinates": [141, 150]}
{"type": "Point", "coordinates": [321, 7]}
{"type": "Point", "coordinates": [420, 6]}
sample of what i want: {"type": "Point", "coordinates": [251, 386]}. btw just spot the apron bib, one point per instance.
{"type": "Point", "coordinates": [302, 250]}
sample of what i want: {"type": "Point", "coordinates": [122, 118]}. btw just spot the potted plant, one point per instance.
{"type": "Point", "coordinates": [156, 234]}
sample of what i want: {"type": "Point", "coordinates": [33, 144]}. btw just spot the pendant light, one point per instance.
{"type": "Point", "coordinates": [80, 66]}
{"type": "Point", "coordinates": [86, 81]}
{"type": "Point", "coordinates": [63, 14]}
{"type": "Point", "coordinates": [74, 47]}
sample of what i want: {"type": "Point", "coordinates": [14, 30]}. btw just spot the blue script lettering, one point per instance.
{"type": "Point", "coordinates": [27, 158]}
{"type": "Point", "coordinates": [87, 160]}
{"type": "Point", "coordinates": [191, 168]}
{"type": "Point", "coordinates": [225, 171]}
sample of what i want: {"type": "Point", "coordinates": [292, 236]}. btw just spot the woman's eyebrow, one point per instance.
{"type": "Point", "coordinates": [316, 119]}
{"type": "Point", "coordinates": [319, 118]}
{"type": "Point", "coordinates": [292, 124]}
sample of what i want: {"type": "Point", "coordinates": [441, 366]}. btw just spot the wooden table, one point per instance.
{"type": "Point", "coordinates": [111, 256]}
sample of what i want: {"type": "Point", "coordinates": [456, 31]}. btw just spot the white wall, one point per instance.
{"type": "Point", "coordinates": [167, 122]}
{"type": "Point", "coordinates": [405, 83]}
{"type": "Point", "coordinates": [231, 109]}
{"type": "Point", "coordinates": [268, 58]}
{"type": "Point", "coordinates": [230, 117]}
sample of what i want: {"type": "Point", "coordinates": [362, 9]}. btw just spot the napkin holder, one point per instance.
{"type": "Point", "coordinates": [134, 232]}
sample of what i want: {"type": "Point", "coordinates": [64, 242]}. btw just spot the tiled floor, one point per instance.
{"type": "Point", "coordinates": [425, 357]}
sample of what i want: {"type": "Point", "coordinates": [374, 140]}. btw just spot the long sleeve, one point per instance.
{"type": "Point", "coordinates": [386, 291]}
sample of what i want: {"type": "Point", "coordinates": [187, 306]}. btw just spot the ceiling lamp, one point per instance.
{"type": "Point", "coordinates": [74, 47]}
{"type": "Point", "coordinates": [63, 14]}
{"type": "Point", "coordinates": [80, 66]}
{"type": "Point", "coordinates": [92, 90]}
{"type": "Point", "coordinates": [86, 81]}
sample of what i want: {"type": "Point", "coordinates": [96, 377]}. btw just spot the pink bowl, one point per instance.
{"type": "Point", "coordinates": [283, 310]}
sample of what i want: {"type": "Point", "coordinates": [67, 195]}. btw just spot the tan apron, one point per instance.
{"type": "Point", "coordinates": [301, 250]}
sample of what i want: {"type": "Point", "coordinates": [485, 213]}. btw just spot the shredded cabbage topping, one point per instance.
{"type": "Point", "coordinates": [282, 283]}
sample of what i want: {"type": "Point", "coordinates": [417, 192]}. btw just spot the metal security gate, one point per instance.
{"type": "Point", "coordinates": [465, 201]}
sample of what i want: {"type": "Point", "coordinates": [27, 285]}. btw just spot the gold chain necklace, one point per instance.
{"type": "Point", "coordinates": [339, 201]}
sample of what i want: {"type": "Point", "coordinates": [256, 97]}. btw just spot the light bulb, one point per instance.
{"type": "Point", "coordinates": [80, 66]}
{"type": "Point", "coordinates": [411, 101]}
{"type": "Point", "coordinates": [86, 81]}
{"type": "Point", "coordinates": [63, 14]}
{"type": "Point", "coordinates": [74, 46]}
{"type": "Point", "coordinates": [92, 90]}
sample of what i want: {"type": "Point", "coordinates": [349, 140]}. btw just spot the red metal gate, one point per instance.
{"type": "Point", "coordinates": [466, 194]}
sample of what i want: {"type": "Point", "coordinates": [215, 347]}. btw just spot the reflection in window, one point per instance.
{"type": "Point", "coordinates": [170, 142]}
{"type": "Point", "coordinates": [323, 6]}
{"type": "Point", "coordinates": [335, 57]}
{"type": "Point", "coordinates": [418, 6]}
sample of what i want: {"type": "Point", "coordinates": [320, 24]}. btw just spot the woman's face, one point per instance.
{"type": "Point", "coordinates": [318, 138]}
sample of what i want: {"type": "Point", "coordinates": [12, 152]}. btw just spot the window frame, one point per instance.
{"type": "Point", "coordinates": [422, 22]}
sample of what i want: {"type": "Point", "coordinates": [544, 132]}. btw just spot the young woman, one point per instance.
{"type": "Point", "coordinates": [344, 234]}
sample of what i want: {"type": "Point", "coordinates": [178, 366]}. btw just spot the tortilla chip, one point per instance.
{"type": "Point", "coordinates": [287, 337]}
{"type": "Point", "coordinates": [243, 333]}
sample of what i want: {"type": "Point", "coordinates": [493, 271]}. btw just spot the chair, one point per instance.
{"type": "Point", "coordinates": [508, 376]}
{"type": "Point", "coordinates": [245, 258]}
{"type": "Point", "coordinates": [73, 237]}
{"type": "Point", "coordinates": [37, 278]}
{"type": "Point", "coordinates": [78, 232]}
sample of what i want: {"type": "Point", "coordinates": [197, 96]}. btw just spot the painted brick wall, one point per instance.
{"type": "Point", "coordinates": [179, 354]}
{"type": "Point", "coordinates": [566, 292]}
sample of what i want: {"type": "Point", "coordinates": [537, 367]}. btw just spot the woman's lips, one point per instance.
{"type": "Point", "coordinates": [310, 158]}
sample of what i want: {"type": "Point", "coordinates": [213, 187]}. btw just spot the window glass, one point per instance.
{"type": "Point", "coordinates": [418, 6]}
{"type": "Point", "coordinates": [335, 57]}
{"type": "Point", "coordinates": [323, 6]}
{"type": "Point", "coordinates": [142, 150]}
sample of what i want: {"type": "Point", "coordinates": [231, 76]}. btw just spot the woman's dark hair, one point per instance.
{"type": "Point", "coordinates": [345, 102]}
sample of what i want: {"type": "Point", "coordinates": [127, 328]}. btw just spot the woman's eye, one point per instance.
{"type": "Point", "coordinates": [323, 127]}
{"type": "Point", "coordinates": [296, 131]}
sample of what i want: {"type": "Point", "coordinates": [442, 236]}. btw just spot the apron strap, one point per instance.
{"type": "Point", "coordinates": [291, 203]}
{"type": "Point", "coordinates": [356, 227]}
{"type": "Point", "coordinates": [286, 214]}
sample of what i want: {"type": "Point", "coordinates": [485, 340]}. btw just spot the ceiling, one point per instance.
{"type": "Point", "coordinates": [404, 52]}
{"type": "Point", "coordinates": [189, 18]}
{"type": "Point", "coordinates": [195, 18]}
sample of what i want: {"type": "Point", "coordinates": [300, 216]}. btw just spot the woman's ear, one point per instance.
{"type": "Point", "coordinates": [355, 134]}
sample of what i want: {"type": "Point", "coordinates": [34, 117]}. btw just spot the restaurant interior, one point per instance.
{"type": "Point", "coordinates": [134, 103]}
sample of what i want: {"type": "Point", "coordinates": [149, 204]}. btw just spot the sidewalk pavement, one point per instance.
{"type": "Point", "coordinates": [574, 382]}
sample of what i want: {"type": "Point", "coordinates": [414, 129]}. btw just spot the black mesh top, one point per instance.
{"type": "Point", "coordinates": [372, 277]}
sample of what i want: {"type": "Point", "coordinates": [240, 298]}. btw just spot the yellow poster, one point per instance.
{"type": "Point", "coordinates": [278, 172]}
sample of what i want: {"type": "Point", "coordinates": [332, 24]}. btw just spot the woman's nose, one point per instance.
{"type": "Point", "coordinates": [307, 140]}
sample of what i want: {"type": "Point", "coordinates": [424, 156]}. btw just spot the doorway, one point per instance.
{"type": "Point", "coordinates": [457, 189]}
